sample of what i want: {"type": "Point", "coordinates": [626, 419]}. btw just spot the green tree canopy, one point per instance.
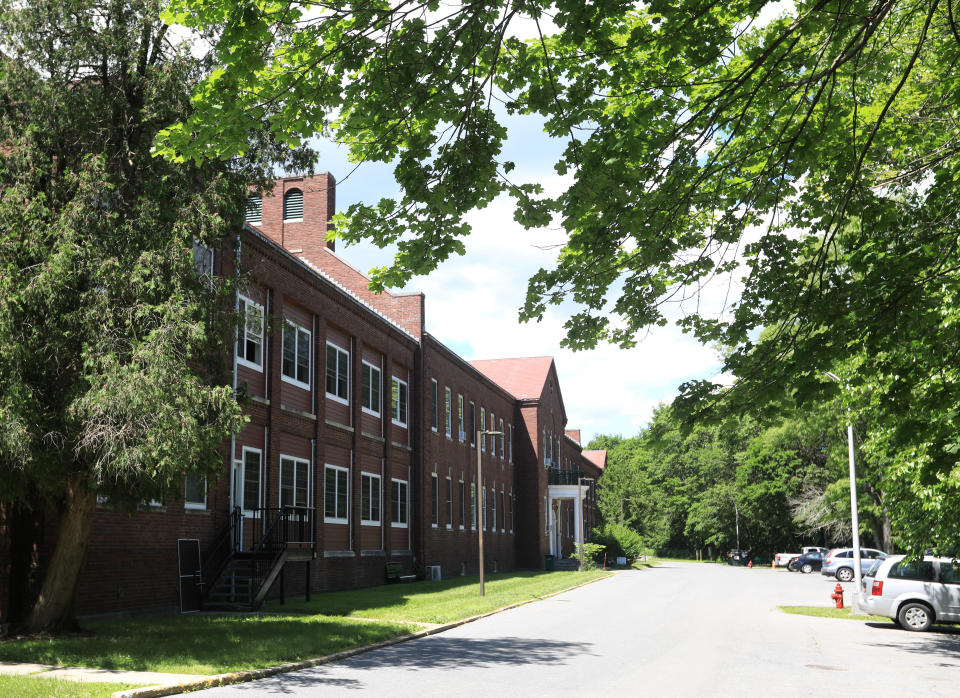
{"type": "Point", "coordinates": [811, 158]}
{"type": "Point", "coordinates": [113, 341]}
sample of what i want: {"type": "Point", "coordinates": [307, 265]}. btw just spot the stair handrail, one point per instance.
{"type": "Point", "coordinates": [225, 542]}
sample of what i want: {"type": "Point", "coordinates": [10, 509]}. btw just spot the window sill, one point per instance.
{"type": "Point", "coordinates": [339, 553]}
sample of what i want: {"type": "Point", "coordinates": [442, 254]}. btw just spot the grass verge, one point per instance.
{"type": "Point", "coordinates": [438, 602]}
{"type": "Point", "coordinates": [830, 612]}
{"type": "Point", "coordinates": [37, 687]}
{"type": "Point", "coordinates": [208, 644]}
{"type": "Point", "coordinates": [201, 644]}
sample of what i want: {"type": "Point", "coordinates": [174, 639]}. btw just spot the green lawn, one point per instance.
{"type": "Point", "coordinates": [201, 644]}
{"type": "Point", "coordinates": [438, 602]}
{"type": "Point", "coordinates": [207, 644]}
{"type": "Point", "coordinates": [36, 687]}
{"type": "Point", "coordinates": [831, 612]}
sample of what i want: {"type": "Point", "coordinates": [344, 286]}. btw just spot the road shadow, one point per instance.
{"type": "Point", "coordinates": [940, 641]}
{"type": "Point", "coordinates": [436, 653]}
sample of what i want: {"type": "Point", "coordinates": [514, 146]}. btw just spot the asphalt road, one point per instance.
{"type": "Point", "coordinates": [676, 630]}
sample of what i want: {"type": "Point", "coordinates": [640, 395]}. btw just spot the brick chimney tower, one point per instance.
{"type": "Point", "coordinates": [295, 214]}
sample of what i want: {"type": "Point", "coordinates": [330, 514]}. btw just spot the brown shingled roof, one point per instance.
{"type": "Point", "coordinates": [523, 378]}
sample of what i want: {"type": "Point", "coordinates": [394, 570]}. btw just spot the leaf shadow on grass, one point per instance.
{"type": "Point", "coordinates": [201, 644]}
{"type": "Point", "coordinates": [437, 652]}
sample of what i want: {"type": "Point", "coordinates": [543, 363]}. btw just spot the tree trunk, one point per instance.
{"type": "Point", "coordinates": [55, 603]}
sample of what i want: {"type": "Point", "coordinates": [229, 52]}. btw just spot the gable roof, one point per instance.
{"type": "Point", "coordinates": [598, 458]}
{"type": "Point", "coordinates": [523, 378]}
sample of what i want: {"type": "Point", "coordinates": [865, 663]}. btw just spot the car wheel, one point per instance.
{"type": "Point", "coordinates": [915, 616]}
{"type": "Point", "coordinates": [807, 568]}
{"type": "Point", "coordinates": [792, 565]}
{"type": "Point", "coordinates": [844, 574]}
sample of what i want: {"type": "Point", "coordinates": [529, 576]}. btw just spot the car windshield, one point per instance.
{"type": "Point", "coordinates": [872, 572]}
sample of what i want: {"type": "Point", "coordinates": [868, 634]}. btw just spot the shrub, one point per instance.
{"type": "Point", "coordinates": [619, 540]}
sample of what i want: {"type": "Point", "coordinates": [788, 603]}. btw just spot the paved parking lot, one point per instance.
{"type": "Point", "coordinates": [683, 629]}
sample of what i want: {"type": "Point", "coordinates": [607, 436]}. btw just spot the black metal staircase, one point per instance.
{"type": "Point", "coordinates": [238, 579]}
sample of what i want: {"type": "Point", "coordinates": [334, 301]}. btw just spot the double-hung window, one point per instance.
{"type": "Point", "coordinates": [503, 513]}
{"type": "Point", "coordinates": [513, 507]}
{"type": "Point", "coordinates": [336, 494]}
{"type": "Point", "coordinates": [296, 354]}
{"type": "Point", "coordinates": [493, 507]}
{"type": "Point", "coordinates": [398, 402]}
{"type": "Point", "coordinates": [247, 482]}
{"type": "Point", "coordinates": [448, 412]}
{"type": "Point", "coordinates": [473, 424]}
{"type": "Point", "coordinates": [338, 373]}
{"type": "Point", "coordinates": [483, 506]}
{"type": "Point", "coordinates": [473, 506]}
{"type": "Point", "coordinates": [294, 476]}
{"type": "Point", "coordinates": [483, 427]}
{"type": "Point", "coordinates": [510, 431]}
{"type": "Point", "coordinates": [434, 404]}
{"type": "Point", "coordinates": [398, 503]}
{"type": "Point", "coordinates": [463, 506]}
{"type": "Point", "coordinates": [369, 499]}
{"type": "Point", "coordinates": [501, 439]}
{"type": "Point", "coordinates": [460, 424]}
{"type": "Point", "coordinates": [195, 491]}
{"type": "Point", "coordinates": [370, 389]}
{"type": "Point", "coordinates": [434, 501]}
{"type": "Point", "coordinates": [449, 503]}
{"type": "Point", "coordinates": [250, 334]}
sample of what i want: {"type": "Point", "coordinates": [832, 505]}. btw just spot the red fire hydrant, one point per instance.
{"type": "Point", "coordinates": [837, 595]}
{"type": "Point", "coordinates": [750, 565]}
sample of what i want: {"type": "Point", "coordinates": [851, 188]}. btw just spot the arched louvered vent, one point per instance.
{"type": "Point", "coordinates": [293, 205]}
{"type": "Point", "coordinates": [254, 212]}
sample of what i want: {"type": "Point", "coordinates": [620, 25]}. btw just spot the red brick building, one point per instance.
{"type": "Point", "coordinates": [361, 450]}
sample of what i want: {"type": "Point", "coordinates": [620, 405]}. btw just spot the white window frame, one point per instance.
{"type": "Point", "coordinates": [395, 404]}
{"type": "Point", "coordinates": [513, 509]}
{"type": "Point", "coordinates": [501, 438]}
{"type": "Point", "coordinates": [283, 205]}
{"type": "Point", "coordinates": [460, 419]}
{"type": "Point", "coordinates": [242, 334]}
{"type": "Point", "coordinates": [363, 398]}
{"type": "Point", "coordinates": [510, 427]}
{"type": "Point", "coordinates": [366, 518]}
{"type": "Point", "coordinates": [449, 499]}
{"type": "Point", "coordinates": [483, 506]}
{"type": "Point", "coordinates": [244, 450]}
{"type": "Point", "coordinates": [473, 506]}
{"type": "Point", "coordinates": [344, 354]}
{"type": "Point", "coordinates": [336, 519]}
{"type": "Point", "coordinates": [434, 501]}
{"type": "Point", "coordinates": [473, 424]}
{"type": "Point", "coordinates": [435, 410]}
{"type": "Point", "coordinates": [404, 489]}
{"type": "Point", "coordinates": [483, 427]}
{"type": "Point", "coordinates": [494, 507]}
{"type": "Point", "coordinates": [463, 505]}
{"type": "Point", "coordinates": [448, 411]}
{"type": "Point", "coordinates": [187, 504]}
{"type": "Point", "coordinates": [297, 462]}
{"type": "Point", "coordinates": [298, 329]}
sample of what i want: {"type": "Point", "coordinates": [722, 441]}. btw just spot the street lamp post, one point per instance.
{"type": "Point", "coordinates": [855, 524]}
{"type": "Point", "coordinates": [481, 433]}
{"type": "Point", "coordinates": [580, 481]}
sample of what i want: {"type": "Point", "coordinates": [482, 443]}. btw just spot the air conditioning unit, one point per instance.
{"type": "Point", "coordinates": [433, 573]}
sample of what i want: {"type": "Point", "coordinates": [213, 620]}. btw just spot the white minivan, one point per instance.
{"type": "Point", "coordinates": [914, 593]}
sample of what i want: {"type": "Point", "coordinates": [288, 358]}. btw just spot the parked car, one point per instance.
{"type": "Point", "coordinates": [738, 557]}
{"type": "Point", "coordinates": [784, 559]}
{"type": "Point", "coordinates": [914, 594]}
{"type": "Point", "coordinates": [806, 563]}
{"type": "Point", "coordinates": [839, 562]}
